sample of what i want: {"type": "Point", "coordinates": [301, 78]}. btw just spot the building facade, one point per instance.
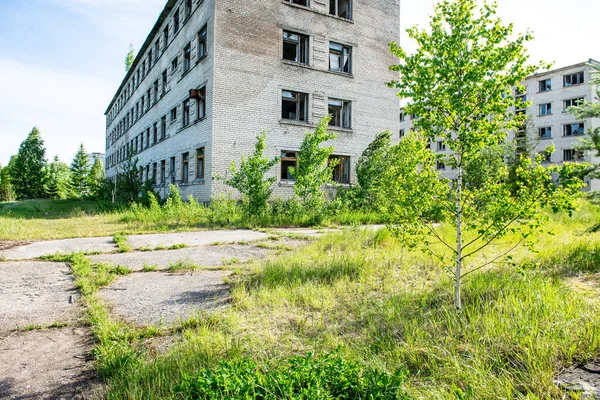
{"type": "Point", "coordinates": [550, 93]}
{"type": "Point", "coordinates": [212, 75]}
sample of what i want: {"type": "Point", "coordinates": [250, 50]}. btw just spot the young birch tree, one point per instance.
{"type": "Point", "coordinates": [460, 83]}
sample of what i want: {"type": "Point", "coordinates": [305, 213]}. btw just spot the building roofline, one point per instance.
{"type": "Point", "coordinates": [553, 71]}
{"type": "Point", "coordinates": [163, 16]}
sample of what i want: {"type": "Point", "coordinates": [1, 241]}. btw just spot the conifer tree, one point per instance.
{"type": "Point", "coordinates": [96, 177]}
{"type": "Point", "coordinates": [27, 170]}
{"type": "Point", "coordinates": [6, 191]}
{"type": "Point", "coordinates": [58, 177]}
{"type": "Point", "coordinates": [80, 173]}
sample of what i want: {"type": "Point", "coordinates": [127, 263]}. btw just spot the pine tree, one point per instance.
{"type": "Point", "coordinates": [6, 191]}
{"type": "Point", "coordinates": [96, 177]}
{"type": "Point", "coordinates": [58, 180]}
{"type": "Point", "coordinates": [80, 173]}
{"type": "Point", "coordinates": [27, 171]}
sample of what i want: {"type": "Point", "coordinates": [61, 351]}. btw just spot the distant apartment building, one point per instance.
{"type": "Point", "coordinates": [212, 75]}
{"type": "Point", "coordinates": [92, 157]}
{"type": "Point", "coordinates": [550, 93]}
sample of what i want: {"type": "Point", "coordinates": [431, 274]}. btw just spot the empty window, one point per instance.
{"type": "Point", "coordinates": [172, 169]}
{"type": "Point", "coordinates": [441, 146]}
{"type": "Point", "coordinates": [200, 163]}
{"type": "Point", "coordinates": [141, 141]}
{"type": "Point", "coordinates": [341, 172]}
{"type": "Point", "coordinates": [573, 79]}
{"type": "Point", "coordinates": [166, 36]}
{"type": "Point", "coordinates": [294, 106]}
{"type": "Point", "coordinates": [155, 133]}
{"type": "Point", "coordinates": [176, 21]}
{"type": "Point", "coordinates": [545, 85]}
{"type": "Point", "coordinates": [154, 169]}
{"type": "Point", "coordinates": [341, 112]}
{"type": "Point", "coordinates": [572, 155]}
{"type": "Point", "coordinates": [163, 128]}
{"type": "Point", "coordinates": [574, 129]}
{"type": "Point", "coordinates": [186, 113]}
{"type": "Point", "coordinates": [164, 81]}
{"type": "Point", "coordinates": [149, 59]}
{"type": "Point", "coordinates": [202, 43]}
{"type": "Point", "coordinates": [148, 172]}
{"type": "Point", "coordinates": [156, 49]}
{"type": "Point", "coordinates": [402, 133]}
{"type": "Point", "coordinates": [188, 8]}
{"type": "Point", "coordinates": [339, 57]}
{"type": "Point", "coordinates": [440, 166]}
{"type": "Point", "coordinates": [174, 114]}
{"type": "Point", "coordinates": [572, 102]}
{"type": "Point", "coordinates": [156, 91]}
{"type": "Point", "coordinates": [546, 109]}
{"type": "Point", "coordinates": [187, 58]}
{"type": "Point", "coordinates": [185, 167]}
{"type": "Point", "coordinates": [289, 163]}
{"type": "Point", "coordinates": [341, 8]}
{"type": "Point", "coordinates": [201, 103]}
{"type": "Point", "coordinates": [546, 132]}
{"type": "Point", "coordinates": [299, 2]}
{"type": "Point", "coordinates": [163, 172]}
{"type": "Point", "coordinates": [295, 47]}
{"type": "Point", "coordinates": [402, 117]}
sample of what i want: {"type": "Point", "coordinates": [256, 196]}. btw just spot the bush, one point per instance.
{"type": "Point", "coordinates": [310, 377]}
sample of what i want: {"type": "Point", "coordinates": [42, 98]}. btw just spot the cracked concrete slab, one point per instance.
{"type": "Point", "coordinates": [51, 247]}
{"type": "Point", "coordinates": [205, 256]}
{"type": "Point", "coordinates": [35, 293]}
{"type": "Point", "coordinates": [194, 239]}
{"type": "Point", "coordinates": [159, 297]}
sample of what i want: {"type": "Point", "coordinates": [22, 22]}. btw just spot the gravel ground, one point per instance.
{"type": "Point", "coordinates": [193, 239]}
{"type": "Point", "coordinates": [35, 293]}
{"type": "Point", "coordinates": [50, 247]}
{"type": "Point", "coordinates": [206, 256]}
{"type": "Point", "coordinates": [46, 364]}
{"type": "Point", "coordinates": [159, 297]}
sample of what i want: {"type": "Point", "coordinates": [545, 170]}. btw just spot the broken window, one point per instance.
{"type": "Point", "coordinates": [574, 129]}
{"type": "Point", "coordinates": [546, 132]}
{"type": "Point", "coordinates": [176, 21]}
{"type": "Point", "coordinates": [174, 114]}
{"type": "Point", "coordinates": [164, 81]}
{"type": "Point", "coordinates": [172, 169]}
{"type": "Point", "coordinates": [546, 109]}
{"type": "Point", "coordinates": [155, 91]}
{"type": "Point", "coordinates": [174, 64]}
{"type": "Point", "coordinates": [402, 133]}
{"type": "Point", "coordinates": [545, 85]}
{"type": "Point", "coordinates": [289, 163]}
{"type": "Point", "coordinates": [188, 8]}
{"type": "Point", "coordinates": [441, 146]}
{"type": "Point", "coordinates": [299, 2]}
{"type": "Point", "coordinates": [201, 103]}
{"type": "Point", "coordinates": [341, 8]}
{"type": "Point", "coordinates": [340, 58]}
{"type": "Point", "coordinates": [186, 113]}
{"type": "Point", "coordinates": [573, 79]}
{"type": "Point", "coordinates": [147, 137]}
{"type": "Point", "coordinates": [149, 60]}
{"type": "Point", "coordinates": [166, 36]}
{"type": "Point", "coordinates": [155, 133]}
{"type": "Point", "coordinates": [200, 163]}
{"type": "Point", "coordinates": [295, 47]}
{"type": "Point", "coordinates": [187, 58]}
{"type": "Point", "coordinates": [572, 102]}
{"type": "Point", "coordinates": [156, 49]}
{"type": "Point", "coordinates": [163, 172]}
{"type": "Point", "coordinates": [341, 112]}
{"type": "Point", "coordinates": [341, 172]}
{"type": "Point", "coordinates": [154, 169]}
{"type": "Point", "coordinates": [163, 128]}
{"type": "Point", "coordinates": [202, 43]}
{"type": "Point", "coordinates": [572, 155]}
{"type": "Point", "coordinates": [294, 106]}
{"type": "Point", "coordinates": [185, 167]}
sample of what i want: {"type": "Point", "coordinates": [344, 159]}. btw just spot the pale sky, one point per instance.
{"type": "Point", "coordinates": [62, 60]}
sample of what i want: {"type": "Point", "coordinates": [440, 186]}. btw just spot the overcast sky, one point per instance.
{"type": "Point", "coordinates": [62, 60]}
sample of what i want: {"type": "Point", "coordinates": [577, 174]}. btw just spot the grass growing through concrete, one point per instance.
{"type": "Point", "coordinates": [377, 307]}
{"type": "Point", "coordinates": [120, 240]}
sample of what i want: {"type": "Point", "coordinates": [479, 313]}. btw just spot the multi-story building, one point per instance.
{"type": "Point", "coordinates": [212, 75]}
{"type": "Point", "coordinates": [550, 93]}
{"type": "Point", "coordinates": [92, 157]}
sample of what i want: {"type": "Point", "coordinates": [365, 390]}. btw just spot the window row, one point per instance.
{"type": "Point", "coordinates": [296, 48]}
{"type": "Point", "coordinates": [568, 155]}
{"type": "Point", "coordinates": [340, 174]}
{"type": "Point", "coordinates": [574, 129]}
{"type": "Point", "coordinates": [546, 108]}
{"type": "Point", "coordinates": [294, 107]}
{"type": "Point", "coordinates": [153, 55]}
{"type": "Point", "coordinates": [577, 78]}
{"type": "Point", "coordinates": [151, 173]}
{"type": "Point", "coordinates": [337, 8]}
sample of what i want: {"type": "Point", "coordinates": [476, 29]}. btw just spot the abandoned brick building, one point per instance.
{"type": "Point", "coordinates": [214, 74]}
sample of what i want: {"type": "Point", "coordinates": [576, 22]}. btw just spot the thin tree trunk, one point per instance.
{"type": "Point", "coordinates": [459, 184]}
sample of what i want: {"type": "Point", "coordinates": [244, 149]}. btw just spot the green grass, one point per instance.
{"type": "Point", "coordinates": [120, 239]}
{"type": "Point", "coordinates": [149, 268]}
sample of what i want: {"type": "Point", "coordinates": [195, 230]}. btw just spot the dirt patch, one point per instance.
{"type": "Point", "coordinates": [50, 247]}
{"type": "Point", "coordinates": [205, 256]}
{"type": "Point", "coordinates": [46, 364]}
{"type": "Point", "coordinates": [36, 293]}
{"type": "Point", "coordinates": [11, 244]}
{"type": "Point", "coordinates": [158, 297]}
{"type": "Point", "coordinates": [584, 379]}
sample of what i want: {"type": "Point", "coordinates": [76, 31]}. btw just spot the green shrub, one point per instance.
{"type": "Point", "coordinates": [310, 377]}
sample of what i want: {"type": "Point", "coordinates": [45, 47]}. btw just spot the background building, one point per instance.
{"type": "Point", "coordinates": [550, 93]}
{"type": "Point", "coordinates": [212, 75]}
